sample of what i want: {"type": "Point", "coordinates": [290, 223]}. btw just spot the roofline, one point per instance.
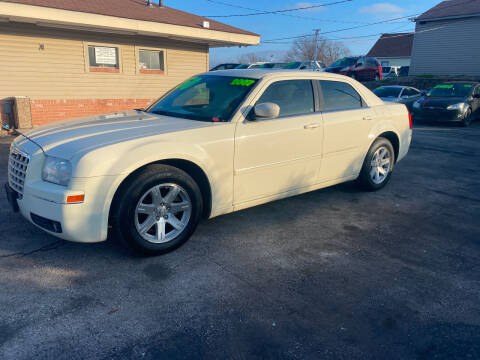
{"type": "Point", "coordinates": [419, 19]}
{"type": "Point", "coordinates": [67, 19]}
{"type": "Point", "coordinates": [391, 57]}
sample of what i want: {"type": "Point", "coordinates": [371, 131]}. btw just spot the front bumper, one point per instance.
{"type": "Point", "coordinates": [43, 204]}
{"type": "Point", "coordinates": [438, 115]}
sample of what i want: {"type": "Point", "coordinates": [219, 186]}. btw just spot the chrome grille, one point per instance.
{"type": "Point", "coordinates": [17, 170]}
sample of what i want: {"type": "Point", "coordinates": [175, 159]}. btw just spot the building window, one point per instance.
{"type": "Point", "coordinates": [103, 59]}
{"type": "Point", "coordinates": [151, 61]}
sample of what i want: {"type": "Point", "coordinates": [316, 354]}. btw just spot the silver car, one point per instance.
{"type": "Point", "coordinates": [400, 94]}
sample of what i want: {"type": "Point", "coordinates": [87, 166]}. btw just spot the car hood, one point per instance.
{"type": "Point", "coordinates": [334, 69]}
{"type": "Point", "coordinates": [440, 102]}
{"type": "Point", "coordinates": [69, 137]}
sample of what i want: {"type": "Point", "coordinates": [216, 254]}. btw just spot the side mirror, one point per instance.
{"type": "Point", "coordinates": [266, 111]}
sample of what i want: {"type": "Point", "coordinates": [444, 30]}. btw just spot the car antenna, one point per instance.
{"type": "Point", "coordinates": [7, 127]}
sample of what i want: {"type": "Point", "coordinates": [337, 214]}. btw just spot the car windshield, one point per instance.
{"type": "Point", "coordinates": [344, 62]}
{"type": "Point", "coordinates": [293, 65]}
{"type": "Point", "coordinates": [387, 92]}
{"type": "Point", "coordinates": [451, 90]}
{"type": "Point", "coordinates": [204, 98]}
{"type": "Point", "coordinates": [242, 66]}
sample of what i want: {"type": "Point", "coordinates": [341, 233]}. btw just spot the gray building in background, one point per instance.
{"type": "Point", "coordinates": [447, 39]}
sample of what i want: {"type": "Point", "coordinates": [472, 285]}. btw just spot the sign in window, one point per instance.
{"type": "Point", "coordinates": [103, 57]}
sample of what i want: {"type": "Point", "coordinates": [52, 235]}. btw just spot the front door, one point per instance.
{"type": "Point", "coordinates": [274, 156]}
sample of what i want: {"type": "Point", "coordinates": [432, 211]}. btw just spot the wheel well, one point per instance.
{"type": "Point", "coordinates": [393, 138]}
{"type": "Point", "coordinates": [190, 168]}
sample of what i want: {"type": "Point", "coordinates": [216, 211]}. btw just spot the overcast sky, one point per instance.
{"type": "Point", "coordinates": [328, 18]}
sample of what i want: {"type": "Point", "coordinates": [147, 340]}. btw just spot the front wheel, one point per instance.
{"type": "Point", "coordinates": [158, 210]}
{"type": "Point", "coordinates": [467, 119]}
{"type": "Point", "coordinates": [377, 166]}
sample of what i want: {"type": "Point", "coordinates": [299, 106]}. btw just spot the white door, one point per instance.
{"type": "Point", "coordinates": [273, 156]}
{"type": "Point", "coordinates": [346, 124]}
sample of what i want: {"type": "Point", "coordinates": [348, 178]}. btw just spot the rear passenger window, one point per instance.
{"type": "Point", "coordinates": [339, 96]}
{"type": "Point", "coordinates": [295, 97]}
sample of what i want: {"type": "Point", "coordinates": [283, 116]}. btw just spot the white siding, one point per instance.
{"type": "Point", "coordinates": [448, 47]}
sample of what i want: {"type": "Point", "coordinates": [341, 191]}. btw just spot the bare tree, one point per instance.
{"type": "Point", "coordinates": [328, 51]}
{"type": "Point", "coordinates": [251, 58]}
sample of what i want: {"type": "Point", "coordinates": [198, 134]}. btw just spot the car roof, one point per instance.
{"type": "Point", "coordinates": [393, 86]}
{"type": "Point", "coordinates": [460, 82]}
{"type": "Point", "coordinates": [272, 73]}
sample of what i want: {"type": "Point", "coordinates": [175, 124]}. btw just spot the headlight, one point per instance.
{"type": "Point", "coordinates": [416, 104]}
{"type": "Point", "coordinates": [459, 106]}
{"type": "Point", "coordinates": [57, 171]}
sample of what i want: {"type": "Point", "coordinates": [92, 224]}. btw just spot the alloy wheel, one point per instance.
{"type": "Point", "coordinates": [163, 213]}
{"type": "Point", "coordinates": [380, 165]}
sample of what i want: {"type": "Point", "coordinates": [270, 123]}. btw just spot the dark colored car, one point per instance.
{"type": "Point", "coordinates": [403, 71]}
{"type": "Point", "coordinates": [342, 64]}
{"type": "Point", "coordinates": [224, 67]}
{"type": "Point", "coordinates": [400, 94]}
{"type": "Point", "coordinates": [453, 101]}
{"type": "Point", "coordinates": [365, 69]}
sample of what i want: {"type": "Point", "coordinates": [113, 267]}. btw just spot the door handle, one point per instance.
{"type": "Point", "coordinates": [312, 126]}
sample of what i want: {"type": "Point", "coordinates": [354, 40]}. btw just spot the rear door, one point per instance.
{"type": "Point", "coordinates": [346, 121]}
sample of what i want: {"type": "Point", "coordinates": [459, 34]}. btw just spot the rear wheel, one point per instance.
{"type": "Point", "coordinates": [377, 166]}
{"type": "Point", "coordinates": [158, 210]}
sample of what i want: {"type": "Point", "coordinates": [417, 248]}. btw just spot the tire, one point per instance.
{"type": "Point", "coordinates": [467, 120]}
{"type": "Point", "coordinates": [371, 178]}
{"type": "Point", "coordinates": [158, 210]}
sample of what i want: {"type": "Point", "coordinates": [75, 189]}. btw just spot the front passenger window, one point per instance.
{"type": "Point", "coordinates": [295, 97]}
{"type": "Point", "coordinates": [339, 96]}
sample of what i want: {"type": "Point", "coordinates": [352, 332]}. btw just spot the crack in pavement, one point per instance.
{"type": "Point", "coordinates": [52, 246]}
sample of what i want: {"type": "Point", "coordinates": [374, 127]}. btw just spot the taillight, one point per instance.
{"type": "Point", "coordinates": [380, 72]}
{"type": "Point", "coordinates": [410, 120]}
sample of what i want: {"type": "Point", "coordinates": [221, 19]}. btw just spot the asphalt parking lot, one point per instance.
{"type": "Point", "coordinates": [333, 274]}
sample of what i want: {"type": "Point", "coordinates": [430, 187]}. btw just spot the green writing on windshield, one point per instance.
{"type": "Point", "coordinates": [189, 83]}
{"type": "Point", "coordinates": [242, 82]}
{"type": "Point", "coordinates": [467, 85]}
{"type": "Point", "coordinates": [444, 87]}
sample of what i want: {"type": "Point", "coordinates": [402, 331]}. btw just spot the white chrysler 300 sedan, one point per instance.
{"type": "Point", "coordinates": [217, 143]}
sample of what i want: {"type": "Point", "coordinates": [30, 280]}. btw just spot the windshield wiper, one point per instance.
{"type": "Point", "coordinates": [179, 115]}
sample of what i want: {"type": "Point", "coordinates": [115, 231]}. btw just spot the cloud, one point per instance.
{"type": "Point", "coordinates": [381, 9]}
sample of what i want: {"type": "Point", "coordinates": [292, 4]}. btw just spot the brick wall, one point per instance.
{"type": "Point", "coordinates": [47, 111]}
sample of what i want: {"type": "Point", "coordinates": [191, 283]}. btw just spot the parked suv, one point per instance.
{"type": "Point", "coordinates": [342, 65]}
{"type": "Point", "coordinates": [365, 69]}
